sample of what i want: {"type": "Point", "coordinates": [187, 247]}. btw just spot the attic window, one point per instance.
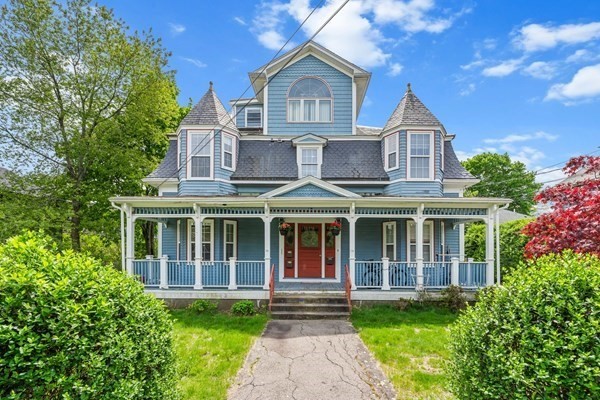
{"type": "Point", "coordinates": [309, 100]}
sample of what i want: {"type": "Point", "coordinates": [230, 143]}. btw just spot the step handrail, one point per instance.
{"type": "Point", "coordinates": [271, 286]}
{"type": "Point", "coordinates": [348, 288]}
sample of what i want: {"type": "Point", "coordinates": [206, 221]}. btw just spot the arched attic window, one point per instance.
{"type": "Point", "coordinates": [309, 100]}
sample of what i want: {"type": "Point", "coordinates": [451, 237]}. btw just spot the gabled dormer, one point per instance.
{"type": "Point", "coordinates": [309, 89]}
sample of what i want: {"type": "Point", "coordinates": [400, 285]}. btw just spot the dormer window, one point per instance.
{"type": "Point", "coordinates": [253, 117]}
{"type": "Point", "coordinates": [310, 100]}
{"type": "Point", "coordinates": [420, 155]}
{"type": "Point", "coordinates": [309, 165]}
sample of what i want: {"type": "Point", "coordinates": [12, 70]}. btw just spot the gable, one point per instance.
{"type": "Point", "coordinates": [309, 187]}
{"type": "Point", "coordinates": [309, 191]}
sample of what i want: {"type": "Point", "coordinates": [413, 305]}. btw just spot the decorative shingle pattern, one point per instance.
{"type": "Point", "coordinates": [411, 111]}
{"type": "Point", "coordinates": [168, 166]}
{"type": "Point", "coordinates": [209, 111]}
{"type": "Point", "coordinates": [453, 169]}
{"type": "Point", "coordinates": [343, 160]}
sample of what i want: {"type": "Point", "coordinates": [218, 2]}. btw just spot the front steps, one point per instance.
{"type": "Point", "coordinates": [310, 306]}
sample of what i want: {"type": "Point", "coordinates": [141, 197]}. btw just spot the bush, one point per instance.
{"type": "Point", "coordinates": [536, 337]}
{"type": "Point", "coordinates": [202, 306]}
{"type": "Point", "coordinates": [243, 307]}
{"type": "Point", "coordinates": [72, 328]}
{"type": "Point", "coordinates": [453, 298]}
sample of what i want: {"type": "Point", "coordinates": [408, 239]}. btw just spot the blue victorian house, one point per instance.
{"type": "Point", "coordinates": [288, 191]}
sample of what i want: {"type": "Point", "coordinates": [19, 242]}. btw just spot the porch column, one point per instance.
{"type": "Point", "coordinates": [197, 248]}
{"type": "Point", "coordinates": [267, 241]}
{"type": "Point", "coordinates": [130, 238]}
{"type": "Point", "coordinates": [352, 259]}
{"type": "Point", "coordinates": [419, 250]}
{"type": "Point", "coordinates": [489, 247]}
{"type": "Point", "coordinates": [385, 273]}
{"type": "Point", "coordinates": [454, 272]}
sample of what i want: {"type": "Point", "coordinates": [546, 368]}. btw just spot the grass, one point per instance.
{"type": "Point", "coordinates": [211, 349]}
{"type": "Point", "coordinates": [410, 346]}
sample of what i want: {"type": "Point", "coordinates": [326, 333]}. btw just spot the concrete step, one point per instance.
{"type": "Point", "coordinates": [309, 299]}
{"type": "Point", "coordinates": [294, 307]}
{"type": "Point", "coordinates": [309, 315]}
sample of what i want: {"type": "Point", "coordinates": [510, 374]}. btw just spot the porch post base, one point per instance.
{"type": "Point", "coordinates": [267, 273]}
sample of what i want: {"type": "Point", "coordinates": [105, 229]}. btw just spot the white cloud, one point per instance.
{"type": "Point", "coordinates": [540, 70]}
{"type": "Point", "coordinates": [473, 64]}
{"type": "Point", "coordinates": [176, 29]}
{"type": "Point", "coordinates": [395, 69]}
{"type": "Point", "coordinates": [195, 62]}
{"type": "Point", "coordinates": [522, 138]}
{"type": "Point", "coordinates": [468, 90]}
{"type": "Point", "coordinates": [582, 55]}
{"type": "Point", "coordinates": [355, 32]}
{"type": "Point", "coordinates": [503, 69]}
{"type": "Point", "coordinates": [528, 156]}
{"type": "Point", "coordinates": [584, 85]}
{"type": "Point", "coordinates": [240, 21]}
{"type": "Point", "coordinates": [489, 44]}
{"type": "Point", "coordinates": [536, 37]}
{"type": "Point", "coordinates": [550, 175]}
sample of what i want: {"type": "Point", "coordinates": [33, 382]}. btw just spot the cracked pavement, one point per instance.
{"type": "Point", "coordinates": [310, 359]}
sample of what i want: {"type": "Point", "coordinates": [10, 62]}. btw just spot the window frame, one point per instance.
{"type": "Point", "coordinates": [246, 109]}
{"type": "Point", "coordinates": [409, 238]}
{"type": "Point", "coordinates": [225, 242]}
{"type": "Point", "coordinates": [431, 156]}
{"type": "Point", "coordinates": [299, 151]}
{"type": "Point", "coordinates": [317, 103]}
{"type": "Point", "coordinates": [387, 153]}
{"type": "Point", "coordinates": [384, 242]}
{"type": "Point", "coordinates": [190, 229]}
{"type": "Point", "coordinates": [189, 155]}
{"type": "Point", "coordinates": [233, 151]}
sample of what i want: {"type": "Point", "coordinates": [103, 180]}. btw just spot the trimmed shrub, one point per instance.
{"type": "Point", "coordinates": [453, 298]}
{"type": "Point", "coordinates": [71, 328]}
{"type": "Point", "coordinates": [535, 337]}
{"type": "Point", "coordinates": [243, 307]}
{"type": "Point", "coordinates": [202, 306]}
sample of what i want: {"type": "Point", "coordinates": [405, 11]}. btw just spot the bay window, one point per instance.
{"type": "Point", "coordinates": [420, 157]}
{"type": "Point", "coordinates": [200, 153]}
{"type": "Point", "coordinates": [391, 152]}
{"type": "Point", "coordinates": [228, 151]}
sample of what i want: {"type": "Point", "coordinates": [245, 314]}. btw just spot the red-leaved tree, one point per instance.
{"type": "Point", "coordinates": [574, 222]}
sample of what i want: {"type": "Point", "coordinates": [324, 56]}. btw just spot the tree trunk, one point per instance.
{"type": "Point", "coordinates": [148, 232]}
{"type": "Point", "coordinates": [76, 227]}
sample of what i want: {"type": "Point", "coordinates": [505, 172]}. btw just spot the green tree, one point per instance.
{"type": "Point", "coordinates": [502, 177]}
{"type": "Point", "coordinates": [83, 106]}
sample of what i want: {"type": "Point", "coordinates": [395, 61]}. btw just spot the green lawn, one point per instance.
{"type": "Point", "coordinates": [410, 345]}
{"type": "Point", "coordinates": [210, 350]}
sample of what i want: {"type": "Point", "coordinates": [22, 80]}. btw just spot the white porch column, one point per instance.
{"type": "Point", "coordinates": [419, 251]}
{"type": "Point", "coordinates": [197, 248]}
{"type": "Point", "coordinates": [130, 238]}
{"type": "Point", "coordinates": [489, 247]}
{"type": "Point", "coordinates": [267, 241]}
{"type": "Point", "coordinates": [232, 276]}
{"type": "Point", "coordinates": [352, 248]}
{"type": "Point", "coordinates": [454, 271]}
{"type": "Point", "coordinates": [385, 274]}
{"type": "Point", "coordinates": [164, 279]}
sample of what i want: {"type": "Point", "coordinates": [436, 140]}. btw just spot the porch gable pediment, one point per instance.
{"type": "Point", "coordinates": [309, 187]}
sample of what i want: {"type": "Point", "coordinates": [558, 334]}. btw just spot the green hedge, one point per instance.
{"type": "Point", "coordinates": [535, 337]}
{"type": "Point", "coordinates": [72, 328]}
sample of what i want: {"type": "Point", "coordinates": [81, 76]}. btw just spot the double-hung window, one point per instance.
{"type": "Point", "coordinates": [309, 163]}
{"type": "Point", "coordinates": [228, 155]}
{"type": "Point", "coordinates": [309, 100]}
{"type": "Point", "coordinates": [207, 237]}
{"type": "Point", "coordinates": [200, 151]}
{"type": "Point", "coordinates": [420, 158]}
{"type": "Point", "coordinates": [427, 241]}
{"type": "Point", "coordinates": [230, 239]}
{"type": "Point", "coordinates": [253, 117]}
{"type": "Point", "coordinates": [391, 151]}
{"type": "Point", "coordinates": [389, 240]}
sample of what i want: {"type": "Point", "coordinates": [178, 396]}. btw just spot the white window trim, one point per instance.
{"type": "Point", "coordinates": [206, 222]}
{"type": "Point", "coordinates": [246, 116]}
{"type": "Point", "coordinates": [394, 243]}
{"type": "Point", "coordinates": [319, 149]}
{"type": "Point", "coordinates": [317, 110]}
{"type": "Point", "coordinates": [408, 238]}
{"type": "Point", "coordinates": [431, 155]}
{"type": "Point", "coordinates": [233, 151]}
{"type": "Point", "coordinates": [234, 224]}
{"type": "Point", "coordinates": [393, 136]}
{"type": "Point", "coordinates": [189, 155]}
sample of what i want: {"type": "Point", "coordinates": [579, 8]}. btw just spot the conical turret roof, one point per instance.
{"type": "Point", "coordinates": [411, 111]}
{"type": "Point", "coordinates": [209, 111]}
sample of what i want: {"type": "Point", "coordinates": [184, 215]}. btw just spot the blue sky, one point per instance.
{"type": "Point", "coordinates": [521, 77]}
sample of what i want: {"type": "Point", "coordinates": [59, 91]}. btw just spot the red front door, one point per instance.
{"type": "Point", "coordinates": [309, 251]}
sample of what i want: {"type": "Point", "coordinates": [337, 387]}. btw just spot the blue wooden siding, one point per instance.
{"type": "Point", "coordinates": [250, 239]}
{"type": "Point", "coordinates": [255, 189]}
{"type": "Point", "coordinates": [341, 87]}
{"type": "Point", "coordinates": [452, 238]}
{"type": "Point", "coordinates": [309, 190]}
{"type": "Point", "coordinates": [169, 239]}
{"type": "Point", "coordinates": [240, 118]}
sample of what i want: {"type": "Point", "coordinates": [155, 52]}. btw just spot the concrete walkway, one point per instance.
{"type": "Point", "coordinates": [312, 360]}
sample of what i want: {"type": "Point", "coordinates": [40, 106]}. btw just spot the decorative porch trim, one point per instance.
{"type": "Point", "coordinates": [309, 180]}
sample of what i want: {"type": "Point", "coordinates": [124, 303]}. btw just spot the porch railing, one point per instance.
{"type": "Point", "coordinates": [472, 274]}
{"type": "Point", "coordinates": [147, 271]}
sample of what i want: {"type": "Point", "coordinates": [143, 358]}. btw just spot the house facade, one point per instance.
{"type": "Point", "coordinates": [286, 189]}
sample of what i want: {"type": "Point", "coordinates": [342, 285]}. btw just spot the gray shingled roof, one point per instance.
{"type": "Point", "coordinates": [453, 169]}
{"type": "Point", "coordinates": [265, 160]}
{"type": "Point", "coordinates": [368, 130]}
{"type": "Point", "coordinates": [209, 111]}
{"type": "Point", "coordinates": [411, 111]}
{"type": "Point", "coordinates": [168, 166]}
